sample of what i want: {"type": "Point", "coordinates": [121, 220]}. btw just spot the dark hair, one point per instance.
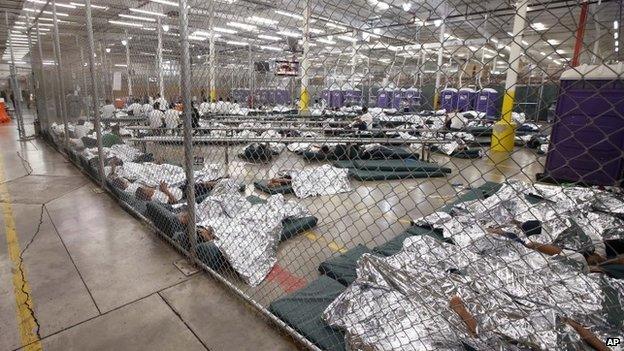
{"type": "Point", "coordinates": [364, 109]}
{"type": "Point", "coordinates": [107, 101]}
{"type": "Point", "coordinates": [157, 105]}
{"type": "Point", "coordinates": [119, 182]}
{"type": "Point", "coordinates": [142, 194]}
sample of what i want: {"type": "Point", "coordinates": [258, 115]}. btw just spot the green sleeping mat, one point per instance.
{"type": "Point", "coordinates": [392, 165]}
{"type": "Point", "coordinates": [614, 270]}
{"type": "Point", "coordinates": [467, 153]}
{"type": "Point", "coordinates": [303, 311]}
{"type": "Point", "coordinates": [362, 175]}
{"type": "Point", "coordinates": [342, 268]}
{"type": "Point", "coordinates": [480, 131]}
{"type": "Point", "coordinates": [388, 152]}
{"type": "Point", "coordinates": [263, 186]}
{"type": "Point", "coordinates": [210, 254]}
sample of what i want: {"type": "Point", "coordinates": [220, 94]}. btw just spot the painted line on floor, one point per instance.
{"type": "Point", "coordinates": [332, 245]}
{"type": "Point", "coordinates": [21, 288]}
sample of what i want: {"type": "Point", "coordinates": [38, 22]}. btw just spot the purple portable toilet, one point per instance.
{"type": "Point", "coordinates": [587, 139]}
{"type": "Point", "coordinates": [384, 97]}
{"type": "Point", "coordinates": [325, 96]}
{"type": "Point", "coordinates": [352, 96]}
{"type": "Point", "coordinates": [336, 100]}
{"type": "Point", "coordinates": [448, 99]}
{"type": "Point", "coordinates": [282, 97]}
{"type": "Point", "coordinates": [411, 99]}
{"type": "Point", "coordinates": [397, 98]}
{"type": "Point", "coordinates": [465, 99]}
{"type": "Point", "coordinates": [487, 102]}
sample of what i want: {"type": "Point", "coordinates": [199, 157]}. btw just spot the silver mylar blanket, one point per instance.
{"type": "Point", "coordinates": [247, 234]}
{"type": "Point", "coordinates": [517, 295]}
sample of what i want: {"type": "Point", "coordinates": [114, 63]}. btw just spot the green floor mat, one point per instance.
{"type": "Point", "coordinates": [342, 268]}
{"type": "Point", "coordinates": [303, 310]}
{"type": "Point", "coordinates": [262, 185]}
{"type": "Point", "coordinates": [467, 153]}
{"type": "Point", "coordinates": [362, 175]}
{"type": "Point", "coordinates": [392, 165]}
{"type": "Point", "coordinates": [614, 270]}
{"type": "Point", "coordinates": [480, 131]}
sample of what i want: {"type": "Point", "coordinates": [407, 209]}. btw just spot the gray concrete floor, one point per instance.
{"type": "Point", "coordinates": [97, 278]}
{"type": "Point", "coordinates": [101, 280]}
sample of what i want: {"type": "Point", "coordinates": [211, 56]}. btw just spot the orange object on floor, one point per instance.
{"type": "Point", "coordinates": [4, 116]}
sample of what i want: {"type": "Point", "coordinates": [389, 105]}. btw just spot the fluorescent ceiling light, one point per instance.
{"type": "Point", "coordinates": [67, 6]}
{"type": "Point", "coordinates": [243, 26]}
{"type": "Point", "coordinates": [128, 24]}
{"type": "Point", "coordinates": [407, 6]}
{"type": "Point", "coordinates": [145, 12]}
{"type": "Point", "coordinates": [237, 43]}
{"type": "Point", "coordinates": [542, 53]}
{"type": "Point", "coordinates": [437, 22]}
{"type": "Point", "coordinates": [58, 14]}
{"type": "Point", "coordinates": [560, 51]}
{"type": "Point", "coordinates": [262, 20]}
{"type": "Point", "coordinates": [268, 37]}
{"type": "Point", "coordinates": [325, 41]}
{"type": "Point", "coordinates": [120, 65]}
{"type": "Point", "coordinates": [138, 18]}
{"type": "Point", "coordinates": [538, 26]}
{"type": "Point", "coordinates": [97, 7]}
{"type": "Point", "coordinates": [552, 41]}
{"type": "Point", "coordinates": [524, 42]}
{"type": "Point", "coordinates": [289, 14]}
{"type": "Point", "coordinates": [493, 40]}
{"type": "Point", "coordinates": [224, 30]}
{"type": "Point", "coordinates": [347, 38]}
{"type": "Point", "coordinates": [270, 48]}
{"type": "Point", "coordinates": [380, 5]}
{"type": "Point", "coordinates": [337, 26]}
{"type": "Point", "coordinates": [616, 25]}
{"type": "Point", "coordinates": [288, 33]}
{"type": "Point", "coordinates": [377, 31]}
{"type": "Point", "coordinates": [165, 2]}
{"type": "Point", "coordinates": [316, 30]}
{"type": "Point", "coordinates": [197, 37]}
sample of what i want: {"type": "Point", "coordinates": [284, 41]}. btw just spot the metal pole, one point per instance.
{"type": "Point", "coordinates": [503, 132]}
{"type": "Point", "coordinates": [104, 70]}
{"type": "Point", "coordinates": [185, 64]}
{"type": "Point", "coordinates": [161, 86]}
{"type": "Point", "coordinates": [84, 78]}
{"type": "Point", "coordinates": [580, 33]}
{"type": "Point", "coordinates": [31, 80]}
{"type": "Point", "coordinates": [57, 44]}
{"type": "Point", "coordinates": [304, 97]}
{"type": "Point", "coordinates": [15, 86]}
{"type": "Point", "coordinates": [438, 79]}
{"type": "Point", "coordinates": [212, 53]}
{"type": "Point", "coordinates": [42, 92]}
{"type": "Point", "coordinates": [94, 90]}
{"type": "Point", "coordinates": [128, 70]}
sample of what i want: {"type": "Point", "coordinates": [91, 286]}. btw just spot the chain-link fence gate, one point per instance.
{"type": "Point", "coordinates": [370, 175]}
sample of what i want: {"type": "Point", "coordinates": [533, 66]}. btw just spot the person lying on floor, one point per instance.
{"type": "Point", "coordinates": [280, 180]}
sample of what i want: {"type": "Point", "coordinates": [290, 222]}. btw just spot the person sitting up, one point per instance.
{"type": "Point", "coordinates": [172, 118]}
{"type": "Point", "coordinates": [162, 102]}
{"type": "Point", "coordinates": [235, 108]}
{"type": "Point", "coordinates": [220, 107]}
{"type": "Point", "coordinates": [364, 121]}
{"type": "Point", "coordinates": [134, 109]}
{"type": "Point", "coordinates": [156, 118]}
{"type": "Point", "coordinates": [108, 110]}
{"type": "Point", "coordinates": [455, 121]}
{"type": "Point", "coordinates": [204, 107]}
{"type": "Point", "coordinates": [147, 107]}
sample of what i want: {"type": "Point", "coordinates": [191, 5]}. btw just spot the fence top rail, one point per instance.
{"type": "Point", "coordinates": [281, 128]}
{"type": "Point", "coordinates": [288, 140]}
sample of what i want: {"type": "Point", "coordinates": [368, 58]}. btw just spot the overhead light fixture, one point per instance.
{"type": "Point", "coordinates": [138, 18]}
{"type": "Point", "coordinates": [243, 26]}
{"type": "Point", "coordinates": [67, 6]}
{"type": "Point", "coordinates": [407, 6]}
{"type": "Point", "coordinates": [108, 50]}
{"type": "Point", "coordinates": [616, 25]}
{"type": "Point", "coordinates": [538, 26]}
{"type": "Point", "coordinates": [380, 5]}
{"type": "Point", "coordinates": [560, 51]}
{"type": "Point", "coordinates": [268, 37]}
{"type": "Point", "coordinates": [347, 38]}
{"type": "Point", "coordinates": [542, 53]}
{"type": "Point", "coordinates": [289, 14]}
{"type": "Point", "coordinates": [165, 2]}
{"type": "Point", "coordinates": [165, 27]}
{"type": "Point", "coordinates": [128, 24]}
{"type": "Point", "coordinates": [145, 12]}
{"type": "Point", "coordinates": [124, 42]}
{"type": "Point", "coordinates": [552, 41]}
{"type": "Point", "coordinates": [493, 40]}
{"type": "Point", "coordinates": [197, 37]}
{"type": "Point", "coordinates": [97, 7]}
{"type": "Point", "coordinates": [58, 14]}
{"type": "Point", "coordinates": [270, 48]}
{"type": "Point", "coordinates": [262, 20]}
{"type": "Point", "coordinates": [224, 30]}
{"type": "Point", "coordinates": [316, 30]}
{"type": "Point", "coordinates": [524, 42]}
{"type": "Point", "coordinates": [336, 26]}
{"type": "Point", "coordinates": [437, 22]}
{"type": "Point", "coordinates": [120, 65]}
{"type": "Point", "coordinates": [237, 43]}
{"type": "Point", "coordinates": [377, 31]}
{"type": "Point", "coordinates": [288, 33]}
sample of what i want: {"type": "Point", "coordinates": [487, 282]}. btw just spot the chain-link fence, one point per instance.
{"type": "Point", "coordinates": [370, 175]}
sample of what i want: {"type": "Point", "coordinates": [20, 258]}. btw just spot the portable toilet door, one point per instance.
{"type": "Point", "coordinates": [282, 97]}
{"type": "Point", "coordinates": [465, 99]}
{"type": "Point", "coordinates": [587, 139]}
{"type": "Point", "coordinates": [411, 97]}
{"type": "Point", "coordinates": [448, 99]}
{"type": "Point", "coordinates": [384, 98]}
{"type": "Point", "coordinates": [487, 102]}
{"type": "Point", "coordinates": [397, 99]}
{"type": "Point", "coordinates": [336, 99]}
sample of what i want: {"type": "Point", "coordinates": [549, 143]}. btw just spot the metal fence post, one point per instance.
{"type": "Point", "coordinates": [61, 85]}
{"type": "Point", "coordinates": [94, 87]}
{"type": "Point", "coordinates": [185, 66]}
{"type": "Point", "coordinates": [15, 85]}
{"type": "Point", "coordinates": [42, 96]}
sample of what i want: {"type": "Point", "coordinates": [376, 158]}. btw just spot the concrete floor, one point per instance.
{"type": "Point", "coordinates": [97, 278]}
{"type": "Point", "coordinates": [101, 280]}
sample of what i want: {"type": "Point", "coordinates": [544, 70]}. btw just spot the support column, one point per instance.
{"type": "Point", "coordinates": [42, 91]}
{"type": "Point", "coordinates": [128, 68]}
{"type": "Point", "coordinates": [185, 65]}
{"type": "Point", "coordinates": [15, 85]}
{"type": "Point", "coordinates": [83, 93]}
{"type": "Point", "coordinates": [212, 53]}
{"type": "Point", "coordinates": [438, 79]}
{"type": "Point", "coordinates": [59, 74]}
{"type": "Point", "coordinates": [304, 98]}
{"type": "Point", "coordinates": [580, 34]}
{"type": "Point", "coordinates": [159, 51]}
{"type": "Point", "coordinates": [94, 91]}
{"type": "Point", "coordinates": [503, 133]}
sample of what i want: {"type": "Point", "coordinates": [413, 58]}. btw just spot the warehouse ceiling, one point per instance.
{"type": "Point", "coordinates": [384, 36]}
